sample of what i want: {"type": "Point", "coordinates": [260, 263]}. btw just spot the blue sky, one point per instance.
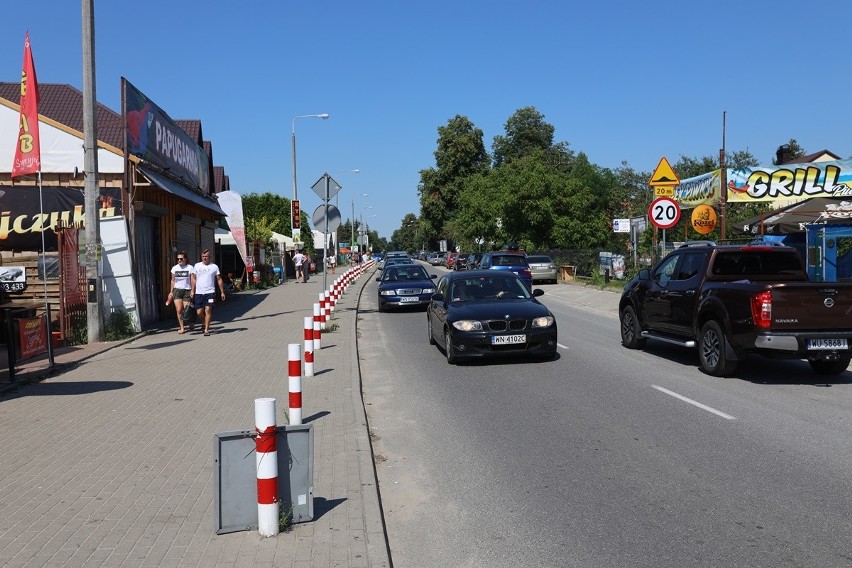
{"type": "Point", "coordinates": [620, 80]}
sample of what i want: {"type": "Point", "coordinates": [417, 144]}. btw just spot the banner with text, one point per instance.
{"type": "Point", "coordinates": [771, 183]}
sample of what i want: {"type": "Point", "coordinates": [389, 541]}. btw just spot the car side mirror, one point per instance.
{"type": "Point", "coordinates": [433, 276]}
{"type": "Point", "coordinates": [437, 297]}
{"type": "Point", "coordinates": [644, 274]}
{"type": "Point", "coordinates": [538, 292]}
{"type": "Point", "coordinates": [378, 279]}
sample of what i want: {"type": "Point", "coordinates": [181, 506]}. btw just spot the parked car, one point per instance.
{"type": "Point", "coordinates": [509, 261]}
{"type": "Point", "coordinates": [733, 300]}
{"type": "Point", "coordinates": [405, 285]}
{"type": "Point", "coordinates": [434, 258]}
{"type": "Point", "coordinates": [472, 262]}
{"type": "Point", "coordinates": [542, 268]}
{"type": "Point", "coordinates": [482, 313]}
{"type": "Point", "coordinates": [461, 261]}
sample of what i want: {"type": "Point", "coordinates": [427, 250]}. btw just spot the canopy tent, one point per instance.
{"type": "Point", "coordinates": [793, 218]}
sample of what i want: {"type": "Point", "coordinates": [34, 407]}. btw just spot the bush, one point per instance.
{"type": "Point", "coordinates": [119, 325]}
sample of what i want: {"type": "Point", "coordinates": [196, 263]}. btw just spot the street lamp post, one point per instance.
{"type": "Point", "coordinates": [323, 116]}
{"type": "Point", "coordinates": [352, 244]}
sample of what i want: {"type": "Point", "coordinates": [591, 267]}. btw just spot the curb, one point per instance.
{"type": "Point", "coordinates": [367, 463]}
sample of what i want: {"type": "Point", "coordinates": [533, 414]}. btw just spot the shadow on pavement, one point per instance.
{"type": "Point", "coordinates": [65, 389]}
{"type": "Point", "coordinates": [323, 506]}
{"type": "Point", "coordinates": [315, 416]}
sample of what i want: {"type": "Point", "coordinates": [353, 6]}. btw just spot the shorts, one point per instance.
{"type": "Point", "coordinates": [180, 293]}
{"type": "Point", "coordinates": [202, 300]}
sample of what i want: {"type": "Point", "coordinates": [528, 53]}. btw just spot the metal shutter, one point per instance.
{"type": "Point", "coordinates": [187, 240]}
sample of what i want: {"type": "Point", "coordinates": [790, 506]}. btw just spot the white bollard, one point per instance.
{"type": "Point", "coordinates": [266, 457]}
{"type": "Point", "coordinates": [317, 328]}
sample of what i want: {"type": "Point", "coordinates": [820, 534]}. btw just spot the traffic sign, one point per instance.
{"type": "Point", "coordinates": [664, 175]}
{"type": "Point", "coordinates": [664, 212]}
{"type": "Point", "coordinates": [325, 184]}
{"type": "Point", "coordinates": [326, 219]}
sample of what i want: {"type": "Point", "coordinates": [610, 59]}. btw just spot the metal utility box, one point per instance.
{"type": "Point", "coordinates": [235, 476]}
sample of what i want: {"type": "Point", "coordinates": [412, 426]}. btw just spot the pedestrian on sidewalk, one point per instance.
{"type": "Point", "coordinates": [181, 288]}
{"type": "Point", "coordinates": [298, 261]}
{"type": "Point", "coordinates": [332, 261]}
{"type": "Point", "coordinates": [306, 268]}
{"type": "Point", "coordinates": [204, 283]}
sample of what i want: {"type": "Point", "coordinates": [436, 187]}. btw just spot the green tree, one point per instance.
{"type": "Point", "coordinates": [407, 237]}
{"type": "Point", "coordinates": [460, 153]}
{"type": "Point", "coordinates": [526, 132]}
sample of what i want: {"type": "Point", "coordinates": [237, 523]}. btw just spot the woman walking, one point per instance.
{"type": "Point", "coordinates": [181, 287]}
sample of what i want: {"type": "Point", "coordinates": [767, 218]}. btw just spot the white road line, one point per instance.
{"type": "Point", "coordinates": [562, 346]}
{"type": "Point", "coordinates": [695, 403]}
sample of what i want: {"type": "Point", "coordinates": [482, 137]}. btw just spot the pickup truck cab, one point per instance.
{"type": "Point", "coordinates": [732, 300]}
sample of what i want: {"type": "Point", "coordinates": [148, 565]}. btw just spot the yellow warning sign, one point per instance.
{"type": "Point", "coordinates": [664, 191]}
{"type": "Point", "coordinates": [664, 175]}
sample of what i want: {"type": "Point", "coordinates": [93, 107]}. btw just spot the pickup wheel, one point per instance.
{"type": "Point", "coordinates": [711, 351]}
{"type": "Point", "coordinates": [631, 333]}
{"type": "Point", "coordinates": [824, 367]}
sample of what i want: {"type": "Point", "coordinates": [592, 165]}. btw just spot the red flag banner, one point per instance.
{"type": "Point", "coordinates": [28, 150]}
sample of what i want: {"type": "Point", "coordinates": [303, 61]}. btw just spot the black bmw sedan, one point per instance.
{"type": "Point", "coordinates": [405, 285]}
{"type": "Point", "coordinates": [488, 312]}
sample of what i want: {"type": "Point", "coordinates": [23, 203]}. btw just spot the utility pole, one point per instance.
{"type": "Point", "coordinates": [91, 187]}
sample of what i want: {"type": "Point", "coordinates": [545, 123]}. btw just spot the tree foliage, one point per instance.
{"type": "Point", "coordinates": [538, 193]}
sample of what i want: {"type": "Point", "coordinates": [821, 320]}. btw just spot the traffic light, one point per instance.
{"type": "Point", "coordinates": [295, 215]}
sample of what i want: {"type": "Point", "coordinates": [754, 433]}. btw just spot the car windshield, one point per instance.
{"type": "Point", "coordinates": [539, 259]}
{"type": "Point", "coordinates": [488, 288]}
{"type": "Point", "coordinates": [403, 273]}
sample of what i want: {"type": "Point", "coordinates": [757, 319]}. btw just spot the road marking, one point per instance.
{"type": "Point", "coordinates": [562, 346]}
{"type": "Point", "coordinates": [695, 403]}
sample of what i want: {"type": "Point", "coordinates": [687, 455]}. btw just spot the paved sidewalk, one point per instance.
{"type": "Point", "coordinates": [109, 462]}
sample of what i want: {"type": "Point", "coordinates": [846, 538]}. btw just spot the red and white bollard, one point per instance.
{"type": "Point", "coordinates": [309, 346]}
{"type": "Point", "coordinates": [317, 328]}
{"type": "Point", "coordinates": [266, 455]}
{"type": "Point", "coordinates": [329, 304]}
{"type": "Point", "coordinates": [295, 383]}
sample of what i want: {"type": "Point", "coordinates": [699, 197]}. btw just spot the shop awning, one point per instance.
{"type": "Point", "coordinates": [793, 218]}
{"type": "Point", "coordinates": [178, 190]}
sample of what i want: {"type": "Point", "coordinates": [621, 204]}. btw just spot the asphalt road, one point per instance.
{"type": "Point", "coordinates": [605, 456]}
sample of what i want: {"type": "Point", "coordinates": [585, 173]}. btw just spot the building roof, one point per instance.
{"type": "Point", "coordinates": [63, 104]}
{"type": "Point", "coordinates": [193, 128]}
{"type": "Point", "coordinates": [218, 179]}
{"type": "Point", "coordinates": [821, 156]}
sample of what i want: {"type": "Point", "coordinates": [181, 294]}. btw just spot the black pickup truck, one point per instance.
{"type": "Point", "coordinates": [732, 300]}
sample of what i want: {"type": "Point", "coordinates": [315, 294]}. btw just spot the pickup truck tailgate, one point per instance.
{"type": "Point", "coordinates": [812, 305]}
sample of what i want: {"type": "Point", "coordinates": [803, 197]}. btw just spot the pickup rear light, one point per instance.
{"type": "Point", "coordinates": [761, 308]}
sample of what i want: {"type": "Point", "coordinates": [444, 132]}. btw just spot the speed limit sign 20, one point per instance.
{"type": "Point", "coordinates": [664, 212]}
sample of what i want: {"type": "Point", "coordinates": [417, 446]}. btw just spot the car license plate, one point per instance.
{"type": "Point", "coordinates": [508, 339]}
{"type": "Point", "coordinates": [816, 344]}
{"type": "Point", "coordinates": [407, 299]}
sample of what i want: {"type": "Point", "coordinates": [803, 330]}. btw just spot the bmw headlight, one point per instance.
{"type": "Point", "coordinates": [468, 325]}
{"type": "Point", "coordinates": [544, 321]}
{"type": "Point", "coordinates": [388, 292]}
